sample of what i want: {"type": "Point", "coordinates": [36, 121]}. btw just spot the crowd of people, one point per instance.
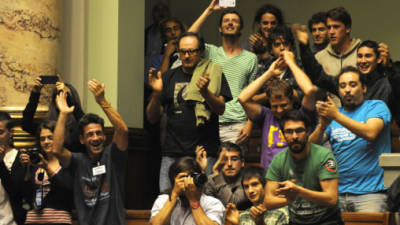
{"type": "Point", "coordinates": [326, 113]}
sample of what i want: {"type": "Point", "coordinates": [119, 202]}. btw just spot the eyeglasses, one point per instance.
{"type": "Point", "coordinates": [191, 52]}
{"type": "Point", "coordinates": [292, 131]}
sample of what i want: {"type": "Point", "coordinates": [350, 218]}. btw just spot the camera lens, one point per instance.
{"type": "Point", "coordinates": [199, 179]}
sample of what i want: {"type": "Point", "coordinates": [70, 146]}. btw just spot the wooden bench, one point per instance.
{"type": "Point", "coordinates": [142, 217]}
{"type": "Point", "coordinates": [358, 218]}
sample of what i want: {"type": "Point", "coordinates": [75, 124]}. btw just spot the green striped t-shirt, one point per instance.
{"type": "Point", "coordinates": [239, 71]}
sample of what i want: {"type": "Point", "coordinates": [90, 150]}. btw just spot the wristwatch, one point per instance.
{"type": "Point", "coordinates": [195, 205]}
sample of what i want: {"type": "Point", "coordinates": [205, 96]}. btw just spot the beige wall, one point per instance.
{"type": "Point", "coordinates": [104, 39]}
{"type": "Point", "coordinates": [376, 20]}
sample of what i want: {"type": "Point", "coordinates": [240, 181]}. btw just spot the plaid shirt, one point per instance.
{"type": "Point", "coordinates": [271, 217]}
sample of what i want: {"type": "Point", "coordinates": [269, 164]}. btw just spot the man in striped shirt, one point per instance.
{"type": "Point", "coordinates": [239, 67]}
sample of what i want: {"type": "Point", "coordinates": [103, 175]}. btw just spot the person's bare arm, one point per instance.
{"type": "Point", "coordinates": [318, 134]}
{"type": "Point", "coordinates": [302, 80]}
{"type": "Point", "coordinates": [368, 130]}
{"type": "Point", "coordinates": [328, 196]}
{"type": "Point", "coordinates": [63, 154]}
{"type": "Point", "coordinates": [245, 97]}
{"type": "Point", "coordinates": [154, 108]}
{"type": "Point", "coordinates": [216, 103]}
{"type": "Point", "coordinates": [271, 199]}
{"type": "Point", "coordinates": [120, 137]}
{"type": "Point", "coordinates": [214, 6]}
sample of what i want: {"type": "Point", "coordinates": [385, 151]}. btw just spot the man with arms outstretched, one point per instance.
{"type": "Point", "coordinates": [99, 172]}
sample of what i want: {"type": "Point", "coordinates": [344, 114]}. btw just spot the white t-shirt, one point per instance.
{"type": "Point", "coordinates": [6, 214]}
{"type": "Point", "coordinates": [211, 206]}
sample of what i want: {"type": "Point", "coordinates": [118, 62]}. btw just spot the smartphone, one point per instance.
{"type": "Point", "coordinates": [227, 3]}
{"type": "Point", "coordinates": [48, 79]}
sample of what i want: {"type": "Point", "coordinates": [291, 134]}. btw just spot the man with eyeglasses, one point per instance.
{"type": "Point", "coordinates": [239, 67]}
{"type": "Point", "coordinates": [189, 124]}
{"type": "Point", "coordinates": [304, 176]}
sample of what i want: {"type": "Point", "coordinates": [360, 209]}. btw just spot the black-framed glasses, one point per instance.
{"type": "Point", "coordinates": [191, 52]}
{"type": "Point", "coordinates": [279, 43]}
{"type": "Point", "coordinates": [292, 131]}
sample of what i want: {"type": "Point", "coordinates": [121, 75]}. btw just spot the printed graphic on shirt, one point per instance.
{"type": "Point", "coordinates": [92, 192]}
{"type": "Point", "coordinates": [342, 134]}
{"type": "Point", "coordinates": [180, 91]}
{"type": "Point", "coordinates": [330, 165]}
{"type": "Point", "coordinates": [275, 137]}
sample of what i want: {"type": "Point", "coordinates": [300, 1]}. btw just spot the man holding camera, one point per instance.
{"type": "Point", "coordinates": [185, 203]}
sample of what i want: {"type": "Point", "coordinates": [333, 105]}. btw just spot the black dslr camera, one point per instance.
{"type": "Point", "coordinates": [199, 179]}
{"type": "Point", "coordinates": [34, 155]}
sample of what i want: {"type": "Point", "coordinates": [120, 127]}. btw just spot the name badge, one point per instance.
{"type": "Point", "coordinates": [98, 170]}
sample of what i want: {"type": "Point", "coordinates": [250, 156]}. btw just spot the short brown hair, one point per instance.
{"type": "Point", "coordinates": [278, 88]}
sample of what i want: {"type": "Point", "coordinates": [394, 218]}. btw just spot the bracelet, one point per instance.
{"type": "Point", "coordinates": [195, 205]}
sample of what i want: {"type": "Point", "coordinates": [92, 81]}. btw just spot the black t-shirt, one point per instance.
{"type": "Point", "coordinates": [99, 199]}
{"type": "Point", "coordinates": [182, 135]}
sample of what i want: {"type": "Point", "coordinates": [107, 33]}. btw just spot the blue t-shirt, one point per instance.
{"type": "Point", "coordinates": [359, 172]}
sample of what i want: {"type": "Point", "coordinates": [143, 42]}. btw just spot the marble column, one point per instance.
{"type": "Point", "coordinates": [29, 47]}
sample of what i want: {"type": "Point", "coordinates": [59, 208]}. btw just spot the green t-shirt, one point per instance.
{"type": "Point", "coordinates": [271, 217]}
{"type": "Point", "coordinates": [239, 71]}
{"type": "Point", "coordinates": [319, 165]}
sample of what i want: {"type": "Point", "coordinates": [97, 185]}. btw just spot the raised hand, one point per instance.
{"type": "Point", "coordinates": [171, 47]}
{"type": "Point", "coordinates": [62, 105]}
{"type": "Point", "coordinates": [24, 157]}
{"type": "Point", "coordinates": [384, 54]}
{"type": "Point", "coordinates": [220, 162]}
{"type": "Point", "coordinates": [97, 90]}
{"type": "Point", "coordinates": [232, 214]}
{"type": "Point", "coordinates": [258, 43]}
{"type": "Point", "coordinates": [37, 85]}
{"type": "Point", "coordinates": [327, 109]}
{"type": "Point", "coordinates": [214, 6]}
{"type": "Point", "coordinates": [155, 80]}
{"type": "Point", "coordinates": [300, 31]}
{"type": "Point", "coordinates": [276, 68]}
{"type": "Point", "coordinates": [201, 157]}
{"type": "Point", "coordinates": [202, 83]}
{"type": "Point", "coordinates": [289, 57]}
{"type": "Point", "coordinates": [179, 185]}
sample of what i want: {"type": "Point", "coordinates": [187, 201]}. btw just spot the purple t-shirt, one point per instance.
{"type": "Point", "coordinates": [272, 139]}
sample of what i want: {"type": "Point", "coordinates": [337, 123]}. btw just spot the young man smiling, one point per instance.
{"type": "Point", "coordinates": [99, 173]}
{"type": "Point", "coordinates": [239, 67]}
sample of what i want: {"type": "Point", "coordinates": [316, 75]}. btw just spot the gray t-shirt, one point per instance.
{"type": "Point", "coordinates": [99, 199]}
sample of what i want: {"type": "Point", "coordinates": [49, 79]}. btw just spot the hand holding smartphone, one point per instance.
{"type": "Point", "coordinates": [227, 3]}
{"type": "Point", "coordinates": [48, 79]}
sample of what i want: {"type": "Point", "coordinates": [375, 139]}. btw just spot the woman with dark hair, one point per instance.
{"type": "Point", "coordinates": [50, 186]}
{"type": "Point", "coordinates": [267, 18]}
{"type": "Point", "coordinates": [72, 133]}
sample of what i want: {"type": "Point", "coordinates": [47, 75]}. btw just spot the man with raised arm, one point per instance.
{"type": "Point", "coordinates": [304, 176]}
{"type": "Point", "coordinates": [239, 67]}
{"type": "Point", "coordinates": [99, 172]}
{"type": "Point", "coordinates": [281, 99]}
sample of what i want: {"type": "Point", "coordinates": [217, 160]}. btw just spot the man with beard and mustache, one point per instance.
{"type": "Point", "coordinates": [99, 173]}
{"type": "Point", "coordinates": [185, 203]}
{"type": "Point", "coordinates": [281, 99]}
{"type": "Point", "coordinates": [171, 92]}
{"type": "Point", "coordinates": [239, 67]}
{"type": "Point", "coordinates": [359, 133]}
{"type": "Point", "coordinates": [304, 176]}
